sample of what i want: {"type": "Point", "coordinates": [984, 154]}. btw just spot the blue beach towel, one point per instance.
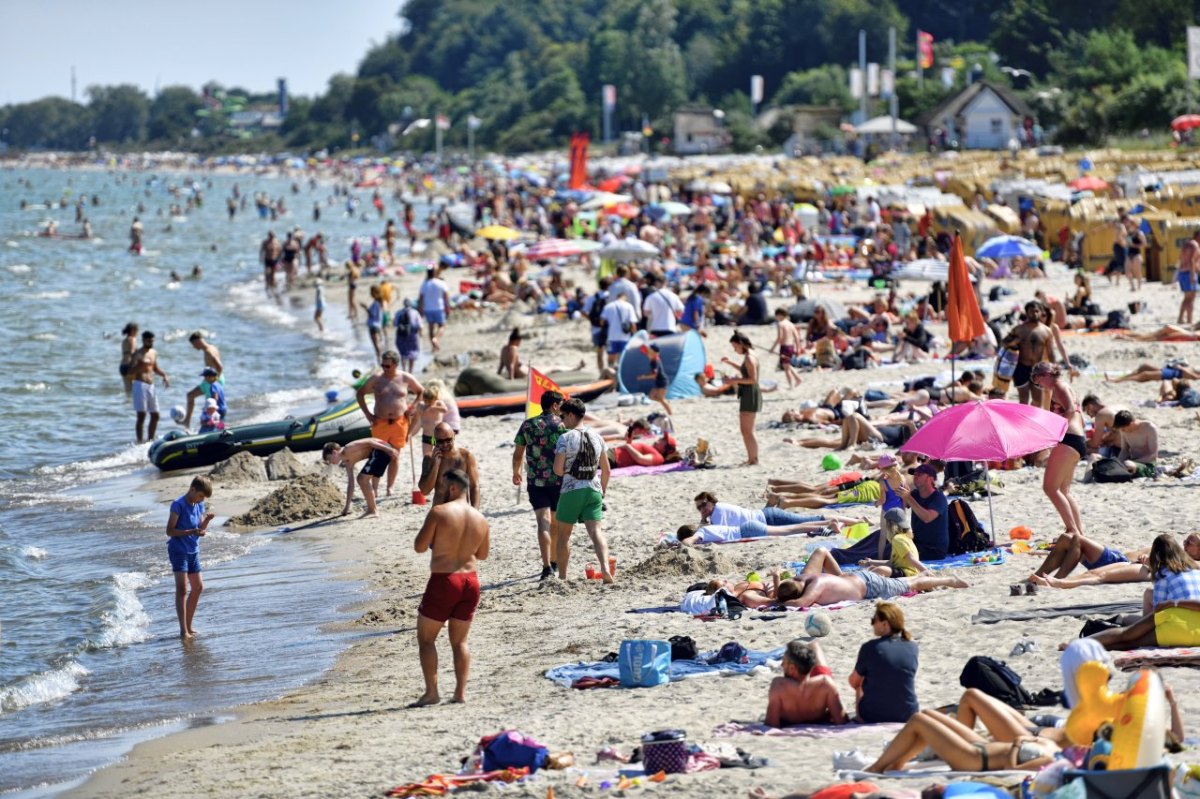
{"type": "Point", "coordinates": [680, 669]}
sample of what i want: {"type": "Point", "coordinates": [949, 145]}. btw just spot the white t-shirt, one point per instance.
{"type": "Point", "coordinates": [617, 315]}
{"type": "Point", "coordinates": [433, 294]}
{"type": "Point", "coordinates": [624, 287]}
{"type": "Point", "coordinates": [661, 307]}
{"type": "Point", "coordinates": [726, 515]}
{"type": "Point", "coordinates": [718, 534]}
{"type": "Point", "coordinates": [569, 444]}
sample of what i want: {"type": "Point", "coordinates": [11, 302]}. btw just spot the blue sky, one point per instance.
{"type": "Point", "coordinates": [247, 43]}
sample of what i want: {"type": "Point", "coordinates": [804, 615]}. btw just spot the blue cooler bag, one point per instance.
{"type": "Point", "coordinates": [644, 664]}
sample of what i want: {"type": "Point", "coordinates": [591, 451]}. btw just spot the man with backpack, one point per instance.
{"type": "Point", "coordinates": [593, 307]}
{"type": "Point", "coordinates": [408, 335]}
{"type": "Point", "coordinates": [582, 463]}
{"type": "Point", "coordinates": [930, 524]}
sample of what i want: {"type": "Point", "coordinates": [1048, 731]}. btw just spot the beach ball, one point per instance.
{"type": "Point", "coordinates": [177, 414]}
{"type": "Point", "coordinates": [818, 624]}
{"type": "Point", "coordinates": [831, 463]}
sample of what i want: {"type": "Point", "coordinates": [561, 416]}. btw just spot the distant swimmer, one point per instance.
{"type": "Point", "coordinates": [135, 236]}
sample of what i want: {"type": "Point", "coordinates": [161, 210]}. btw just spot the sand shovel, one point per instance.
{"type": "Point", "coordinates": [418, 498]}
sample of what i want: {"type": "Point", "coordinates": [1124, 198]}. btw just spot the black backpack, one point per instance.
{"type": "Point", "coordinates": [1110, 470]}
{"type": "Point", "coordinates": [404, 325]}
{"type": "Point", "coordinates": [995, 679]}
{"type": "Point", "coordinates": [1116, 320]}
{"type": "Point", "coordinates": [595, 313]}
{"type": "Point", "coordinates": [683, 648]}
{"type": "Point", "coordinates": [966, 533]}
{"type": "Point", "coordinates": [587, 460]}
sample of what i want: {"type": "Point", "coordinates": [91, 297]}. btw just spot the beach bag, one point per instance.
{"type": "Point", "coordinates": [1006, 364]}
{"type": "Point", "coordinates": [1110, 470]}
{"type": "Point", "coordinates": [644, 664]}
{"type": "Point", "coordinates": [995, 679]}
{"type": "Point", "coordinates": [587, 460]}
{"type": "Point", "coordinates": [1117, 320]}
{"type": "Point", "coordinates": [511, 749]}
{"type": "Point", "coordinates": [732, 652]}
{"type": "Point", "coordinates": [1153, 782]}
{"type": "Point", "coordinates": [665, 750]}
{"type": "Point", "coordinates": [683, 648]}
{"type": "Point", "coordinates": [966, 533]}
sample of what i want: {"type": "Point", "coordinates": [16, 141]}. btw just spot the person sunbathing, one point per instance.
{"type": "Point", "coordinates": [856, 429]}
{"type": "Point", "coordinates": [806, 693]}
{"type": "Point", "coordinates": [1012, 746]}
{"type": "Point", "coordinates": [861, 493]}
{"type": "Point", "coordinates": [1164, 333]}
{"type": "Point", "coordinates": [645, 451]}
{"type": "Point", "coordinates": [822, 582]}
{"type": "Point", "coordinates": [1072, 549]}
{"type": "Point", "coordinates": [1149, 373]}
{"type": "Point", "coordinates": [696, 534]}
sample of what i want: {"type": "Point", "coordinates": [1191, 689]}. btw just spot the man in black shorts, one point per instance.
{"type": "Point", "coordinates": [1033, 341]}
{"type": "Point", "coordinates": [534, 448]}
{"type": "Point", "coordinates": [378, 454]}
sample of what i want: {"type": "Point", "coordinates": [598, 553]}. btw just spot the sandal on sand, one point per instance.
{"type": "Point", "coordinates": [1016, 589]}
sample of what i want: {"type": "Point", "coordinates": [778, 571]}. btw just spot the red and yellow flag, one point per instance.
{"type": "Point", "coordinates": [925, 49]}
{"type": "Point", "coordinates": [539, 384]}
{"type": "Point", "coordinates": [578, 157]}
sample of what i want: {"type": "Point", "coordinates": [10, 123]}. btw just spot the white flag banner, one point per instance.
{"type": "Point", "coordinates": [872, 80]}
{"type": "Point", "coordinates": [756, 89]}
{"type": "Point", "coordinates": [1193, 52]}
{"type": "Point", "coordinates": [856, 83]}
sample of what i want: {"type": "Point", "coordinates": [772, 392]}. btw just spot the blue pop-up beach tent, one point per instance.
{"type": "Point", "coordinates": [683, 357]}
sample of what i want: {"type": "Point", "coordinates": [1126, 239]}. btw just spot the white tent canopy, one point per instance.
{"type": "Point", "coordinates": [884, 125]}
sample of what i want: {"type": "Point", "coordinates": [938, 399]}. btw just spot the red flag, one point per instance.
{"type": "Point", "coordinates": [925, 49]}
{"type": "Point", "coordinates": [539, 384]}
{"type": "Point", "coordinates": [962, 306]}
{"type": "Point", "coordinates": [578, 158]}
{"type": "Point", "coordinates": [443, 123]}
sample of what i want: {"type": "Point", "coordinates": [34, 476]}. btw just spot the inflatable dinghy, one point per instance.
{"type": "Point", "coordinates": [341, 423]}
{"type": "Point", "coordinates": [482, 392]}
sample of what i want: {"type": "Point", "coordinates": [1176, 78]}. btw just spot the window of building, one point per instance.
{"type": "Point", "coordinates": [997, 126]}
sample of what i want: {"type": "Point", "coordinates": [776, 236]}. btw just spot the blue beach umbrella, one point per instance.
{"type": "Point", "coordinates": [1008, 247]}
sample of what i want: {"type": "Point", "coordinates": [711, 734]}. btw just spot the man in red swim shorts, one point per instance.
{"type": "Point", "coordinates": [457, 537]}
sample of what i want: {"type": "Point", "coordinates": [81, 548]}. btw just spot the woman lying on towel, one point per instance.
{"type": "Point", "coordinates": [1104, 565]}
{"type": "Point", "coordinates": [1174, 615]}
{"type": "Point", "coordinates": [693, 534]}
{"type": "Point", "coordinates": [894, 431]}
{"type": "Point", "coordinates": [1015, 742]}
{"type": "Point", "coordinates": [645, 452]}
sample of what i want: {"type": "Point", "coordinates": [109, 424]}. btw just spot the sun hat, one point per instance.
{"type": "Point", "coordinates": [886, 462]}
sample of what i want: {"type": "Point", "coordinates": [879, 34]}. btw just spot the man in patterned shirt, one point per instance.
{"type": "Point", "coordinates": [535, 448]}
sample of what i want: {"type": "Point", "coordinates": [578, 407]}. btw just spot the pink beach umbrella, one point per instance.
{"type": "Point", "coordinates": [991, 430]}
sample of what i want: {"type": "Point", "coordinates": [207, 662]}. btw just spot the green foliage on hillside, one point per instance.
{"type": "Point", "coordinates": [532, 70]}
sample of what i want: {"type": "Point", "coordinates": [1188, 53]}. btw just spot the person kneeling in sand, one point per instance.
{"type": "Point", "coordinates": [457, 537]}
{"type": "Point", "coordinates": [378, 454]}
{"type": "Point", "coordinates": [822, 582]}
{"type": "Point", "coordinates": [806, 693]}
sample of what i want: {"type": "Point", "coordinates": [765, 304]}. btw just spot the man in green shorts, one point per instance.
{"type": "Point", "coordinates": [581, 461]}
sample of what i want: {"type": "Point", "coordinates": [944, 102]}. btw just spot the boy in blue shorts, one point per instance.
{"type": "Point", "coordinates": [187, 522]}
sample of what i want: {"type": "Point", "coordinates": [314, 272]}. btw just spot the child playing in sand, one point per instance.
{"type": "Point", "coordinates": [806, 693]}
{"type": "Point", "coordinates": [787, 338]}
{"type": "Point", "coordinates": [656, 373]}
{"type": "Point", "coordinates": [432, 411]}
{"type": "Point", "coordinates": [378, 455]}
{"type": "Point", "coordinates": [185, 524]}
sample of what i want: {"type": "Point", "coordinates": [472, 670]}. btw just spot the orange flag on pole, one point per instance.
{"type": "Point", "coordinates": [962, 306]}
{"type": "Point", "coordinates": [539, 384]}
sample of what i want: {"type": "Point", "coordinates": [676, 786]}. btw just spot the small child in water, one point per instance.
{"type": "Point", "coordinates": [319, 312]}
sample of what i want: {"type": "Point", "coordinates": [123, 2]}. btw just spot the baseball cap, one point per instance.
{"type": "Point", "coordinates": [897, 517]}
{"type": "Point", "coordinates": [925, 469]}
{"type": "Point", "coordinates": [886, 462]}
{"type": "Point", "coordinates": [209, 372]}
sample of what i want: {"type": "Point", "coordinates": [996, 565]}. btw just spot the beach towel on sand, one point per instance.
{"type": "Point", "coordinates": [932, 768]}
{"type": "Point", "coordinates": [986, 616]}
{"type": "Point", "coordinates": [1158, 657]}
{"type": "Point", "coordinates": [663, 468]}
{"type": "Point", "coordinates": [952, 562]}
{"type": "Point", "coordinates": [732, 728]}
{"type": "Point", "coordinates": [680, 669]}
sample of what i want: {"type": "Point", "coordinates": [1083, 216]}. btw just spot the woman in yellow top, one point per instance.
{"type": "Point", "coordinates": [905, 560]}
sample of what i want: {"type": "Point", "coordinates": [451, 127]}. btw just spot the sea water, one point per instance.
{"type": "Point", "coordinates": [90, 661]}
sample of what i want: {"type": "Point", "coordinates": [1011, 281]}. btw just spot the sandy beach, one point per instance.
{"type": "Point", "coordinates": [350, 734]}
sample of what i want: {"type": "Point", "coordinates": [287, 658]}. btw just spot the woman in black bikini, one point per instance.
{"type": "Point", "coordinates": [1133, 254]}
{"type": "Point", "coordinates": [749, 394]}
{"type": "Point", "coordinates": [1060, 468]}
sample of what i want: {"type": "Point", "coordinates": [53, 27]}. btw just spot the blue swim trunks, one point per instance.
{"type": "Point", "coordinates": [1187, 280]}
{"type": "Point", "coordinates": [617, 347]}
{"type": "Point", "coordinates": [1108, 557]}
{"type": "Point", "coordinates": [1170, 373]}
{"type": "Point", "coordinates": [188, 562]}
{"type": "Point", "coordinates": [435, 317]}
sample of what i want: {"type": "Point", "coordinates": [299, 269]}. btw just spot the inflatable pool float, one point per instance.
{"type": "Point", "coordinates": [341, 423]}
{"type": "Point", "coordinates": [481, 392]}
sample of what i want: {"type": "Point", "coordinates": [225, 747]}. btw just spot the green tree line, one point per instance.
{"type": "Point", "coordinates": [532, 70]}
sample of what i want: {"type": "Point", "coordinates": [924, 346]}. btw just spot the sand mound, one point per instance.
{"type": "Point", "coordinates": [684, 562]}
{"type": "Point", "coordinates": [241, 468]}
{"type": "Point", "coordinates": [283, 465]}
{"type": "Point", "coordinates": [308, 497]}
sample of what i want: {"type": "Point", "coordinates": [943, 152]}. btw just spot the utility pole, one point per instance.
{"type": "Point", "coordinates": [72, 83]}
{"type": "Point", "coordinates": [862, 65]}
{"type": "Point", "coordinates": [920, 65]}
{"type": "Point", "coordinates": [893, 101]}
